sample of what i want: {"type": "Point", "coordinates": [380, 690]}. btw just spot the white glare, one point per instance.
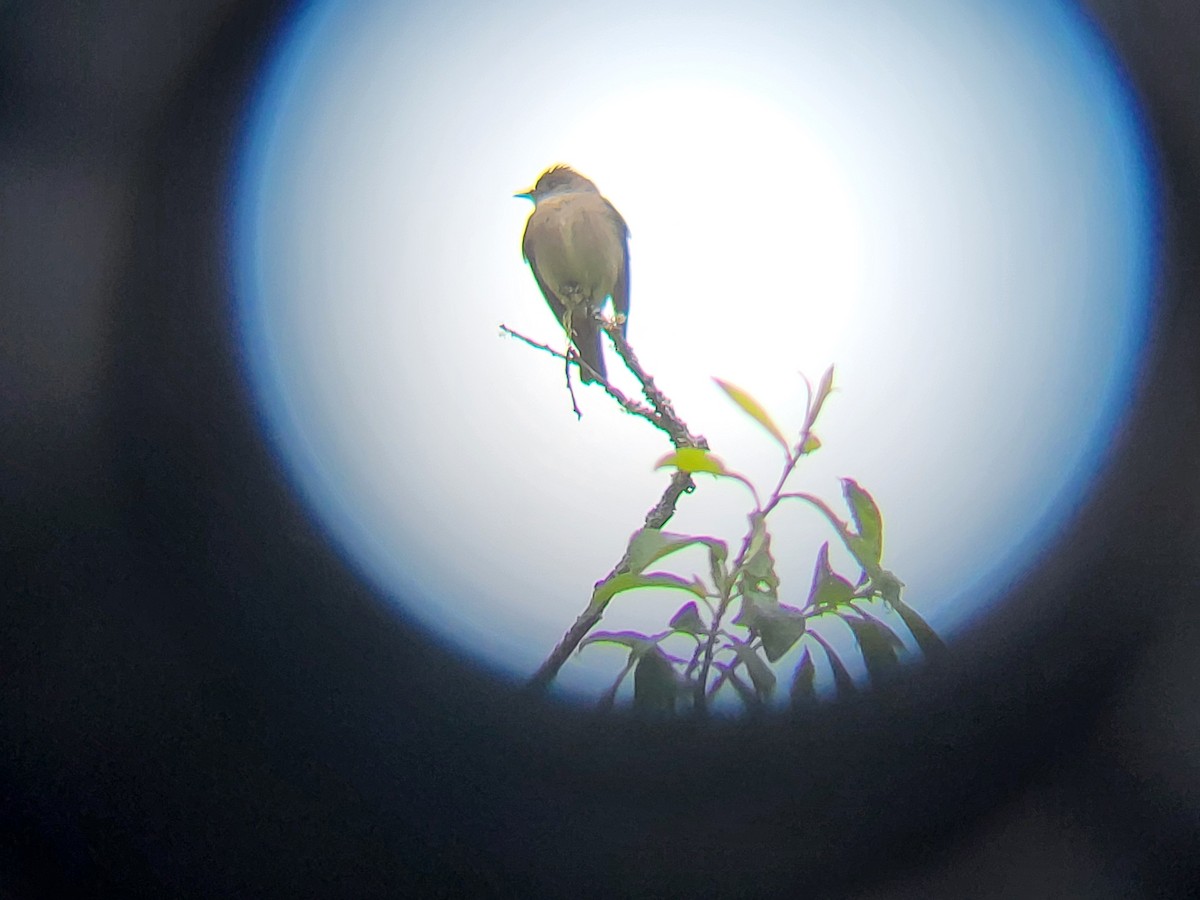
{"type": "Point", "coordinates": [740, 218]}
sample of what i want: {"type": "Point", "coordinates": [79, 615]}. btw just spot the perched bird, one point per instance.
{"type": "Point", "coordinates": [577, 245]}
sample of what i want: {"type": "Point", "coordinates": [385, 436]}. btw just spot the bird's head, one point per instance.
{"type": "Point", "coordinates": [558, 179]}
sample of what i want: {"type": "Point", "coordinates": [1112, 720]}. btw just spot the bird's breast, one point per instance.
{"type": "Point", "coordinates": [576, 246]}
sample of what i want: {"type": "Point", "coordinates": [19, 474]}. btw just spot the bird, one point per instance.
{"type": "Point", "coordinates": [577, 245]}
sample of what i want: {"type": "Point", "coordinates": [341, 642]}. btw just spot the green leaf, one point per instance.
{"type": "Point", "coordinates": [649, 545]}
{"type": "Point", "coordinates": [828, 588]}
{"type": "Point", "coordinates": [758, 578]}
{"type": "Point", "coordinates": [758, 536]}
{"type": "Point", "coordinates": [655, 683]}
{"type": "Point", "coordinates": [779, 626]}
{"type": "Point", "coordinates": [757, 582]}
{"type": "Point", "coordinates": [749, 697]}
{"type": "Point", "coordinates": [752, 609]}
{"type": "Point", "coordinates": [841, 678]}
{"type": "Point", "coordinates": [688, 619]}
{"type": "Point", "coordinates": [755, 410]}
{"type": "Point", "coordinates": [693, 459]}
{"type": "Point", "coordinates": [628, 581]}
{"type": "Point", "coordinates": [887, 586]}
{"type": "Point", "coordinates": [822, 507]}
{"type": "Point", "coordinates": [609, 697]}
{"type": "Point", "coordinates": [779, 629]}
{"type": "Point", "coordinates": [824, 388]}
{"type": "Point", "coordinates": [878, 645]}
{"type": "Point", "coordinates": [812, 444]}
{"type": "Point", "coordinates": [867, 545]}
{"type": "Point", "coordinates": [636, 641]}
{"type": "Point", "coordinates": [803, 692]}
{"type": "Point", "coordinates": [931, 645]}
{"type": "Point", "coordinates": [718, 553]}
{"type": "Point", "coordinates": [760, 673]}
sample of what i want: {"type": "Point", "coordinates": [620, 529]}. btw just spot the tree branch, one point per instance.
{"type": "Point", "coordinates": [657, 517]}
{"type": "Point", "coordinates": [662, 416]}
{"type": "Point", "coordinates": [630, 406]}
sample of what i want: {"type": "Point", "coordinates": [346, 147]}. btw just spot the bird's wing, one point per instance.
{"type": "Point", "coordinates": [621, 289]}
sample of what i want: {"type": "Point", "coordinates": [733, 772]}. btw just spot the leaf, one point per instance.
{"type": "Point", "coordinates": [688, 620]}
{"type": "Point", "coordinates": [878, 645]}
{"type": "Point", "coordinates": [824, 388]}
{"type": "Point", "coordinates": [803, 692]}
{"type": "Point", "coordinates": [757, 582]}
{"type": "Point", "coordinates": [758, 576]}
{"type": "Point", "coordinates": [693, 459]}
{"type": "Point", "coordinates": [718, 553]}
{"type": "Point", "coordinates": [758, 536]}
{"type": "Point", "coordinates": [887, 586]}
{"type": "Point", "coordinates": [636, 641]}
{"type": "Point", "coordinates": [867, 545]}
{"type": "Point", "coordinates": [609, 697]}
{"type": "Point", "coordinates": [755, 410]}
{"type": "Point", "coordinates": [779, 626]}
{"type": "Point", "coordinates": [779, 629]}
{"type": "Point", "coordinates": [649, 545]}
{"type": "Point", "coordinates": [822, 507]}
{"type": "Point", "coordinates": [931, 645]}
{"type": "Point", "coordinates": [749, 697]}
{"type": "Point", "coordinates": [655, 683]}
{"type": "Point", "coordinates": [760, 673]}
{"type": "Point", "coordinates": [628, 581]}
{"type": "Point", "coordinates": [811, 444]}
{"type": "Point", "coordinates": [828, 588]}
{"type": "Point", "coordinates": [841, 678]}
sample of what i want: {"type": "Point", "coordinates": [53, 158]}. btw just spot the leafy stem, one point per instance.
{"type": "Point", "coordinates": [746, 651]}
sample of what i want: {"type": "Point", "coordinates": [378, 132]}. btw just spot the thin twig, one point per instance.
{"type": "Point", "coordinates": [571, 389]}
{"type": "Point", "coordinates": [630, 406]}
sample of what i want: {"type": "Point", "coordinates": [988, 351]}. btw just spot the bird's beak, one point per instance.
{"type": "Point", "coordinates": [526, 194]}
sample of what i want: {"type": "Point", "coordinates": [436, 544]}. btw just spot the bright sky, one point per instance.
{"type": "Point", "coordinates": [948, 200]}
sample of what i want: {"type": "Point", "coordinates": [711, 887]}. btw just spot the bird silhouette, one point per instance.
{"type": "Point", "coordinates": [577, 245]}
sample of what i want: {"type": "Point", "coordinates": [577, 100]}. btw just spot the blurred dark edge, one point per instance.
{"type": "Point", "coordinates": [197, 699]}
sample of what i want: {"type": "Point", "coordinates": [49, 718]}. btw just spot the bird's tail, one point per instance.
{"type": "Point", "coordinates": [587, 342]}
